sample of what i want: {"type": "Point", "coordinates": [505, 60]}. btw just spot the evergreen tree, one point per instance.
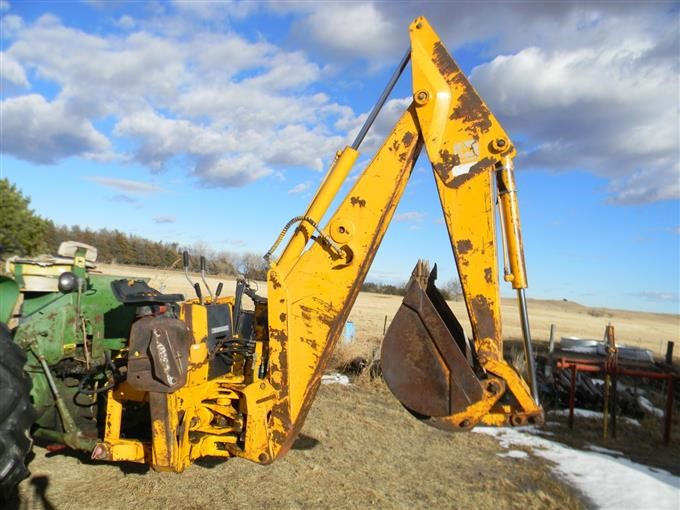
{"type": "Point", "coordinates": [21, 230]}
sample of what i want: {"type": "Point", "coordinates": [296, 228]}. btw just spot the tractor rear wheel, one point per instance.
{"type": "Point", "coordinates": [16, 414]}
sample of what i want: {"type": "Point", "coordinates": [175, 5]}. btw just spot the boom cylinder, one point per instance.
{"type": "Point", "coordinates": [517, 273]}
{"type": "Point", "coordinates": [507, 193]}
{"type": "Point", "coordinates": [318, 206]}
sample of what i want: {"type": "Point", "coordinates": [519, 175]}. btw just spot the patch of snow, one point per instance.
{"type": "Point", "coordinates": [648, 407]}
{"type": "Point", "coordinates": [582, 413]}
{"type": "Point", "coordinates": [514, 454]}
{"type": "Point", "coordinates": [335, 378]}
{"type": "Point", "coordinates": [610, 482]}
{"type": "Point", "coordinates": [594, 415]}
{"type": "Point", "coordinates": [600, 449]}
{"type": "Point", "coordinates": [544, 432]}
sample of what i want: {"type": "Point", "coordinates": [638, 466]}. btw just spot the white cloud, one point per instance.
{"type": "Point", "coordinates": [410, 216]}
{"type": "Point", "coordinates": [10, 25]}
{"type": "Point", "coordinates": [162, 138]}
{"type": "Point", "coordinates": [4, 6]}
{"type": "Point", "coordinates": [219, 57]}
{"type": "Point", "coordinates": [285, 71]}
{"type": "Point", "coordinates": [209, 10]}
{"type": "Point", "coordinates": [295, 145]}
{"type": "Point", "coordinates": [671, 297]}
{"type": "Point", "coordinates": [583, 85]}
{"type": "Point", "coordinates": [45, 132]}
{"type": "Point", "coordinates": [101, 76]}
{"type": "Point", "coordinates": [300, 188]}
{"type": "Point", "coordinates": [613, 111]}
{"type": "Point", "coordinates": [128, 186]}
{"type": "Point", "coordinates": [164, 219]}
{"type": "Point", "coordinates": [345, 29]}
{"type": "Point", "coordinates": [11, 73]}
{"type": "Point", "coordinates": [231, 171]}
{"type": "Point", "coordinates": [238, 110]}
{"type": "Point", "coordinates": [377, 31]}
{"type": "Point", "coordinates": [125, 22]}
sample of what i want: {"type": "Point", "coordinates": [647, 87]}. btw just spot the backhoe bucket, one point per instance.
{"type": "Point", "coordinates": [426, 360]}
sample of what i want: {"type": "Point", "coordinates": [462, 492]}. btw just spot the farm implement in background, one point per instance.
{"type": "Point", "coordinates": [589, 373]}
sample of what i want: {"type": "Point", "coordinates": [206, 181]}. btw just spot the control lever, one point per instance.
{"type": "Point", "coordinates": [212, 298]}
{"type": "Point", "coordinates": [185, 263]}
{"type": "Point", "coordinates": [218, 291]}
{"type": "Point", "coordinates": [240, 286]}
{"type": "Point", "coordinates": [197, 288]}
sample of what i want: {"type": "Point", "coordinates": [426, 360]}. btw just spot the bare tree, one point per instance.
{"type": "Point", "coordinates": [452, 290]}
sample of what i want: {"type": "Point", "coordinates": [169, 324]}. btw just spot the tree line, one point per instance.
{"type": "Point", "coordinates": [450, 289]}
{"type": "Point", "coordinates": [23, 232]}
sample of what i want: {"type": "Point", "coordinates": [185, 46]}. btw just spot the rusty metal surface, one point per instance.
{"type": "Point", "coordinates": [422, 363]}
{"type": "Point", "coordinates": [374, 207]}
{"type": "Point", "coordinates": [600, 365]}
{"type": "Point", "coordinates": [159, 354]}
{"type": "Point", "coordinates": [162, 431]}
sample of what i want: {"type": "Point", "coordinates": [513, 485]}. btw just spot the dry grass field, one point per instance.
{"type": "Point", "coordinates": [358, 446]}
{"type": "Point", "coordinates": [640, 329]}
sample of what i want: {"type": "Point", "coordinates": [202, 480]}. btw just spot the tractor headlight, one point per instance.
{"type": "Point", "coordinates": [67, 282]}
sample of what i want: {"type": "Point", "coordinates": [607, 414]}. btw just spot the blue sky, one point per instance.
{"type": "Point", "coordinates": [211, 123]}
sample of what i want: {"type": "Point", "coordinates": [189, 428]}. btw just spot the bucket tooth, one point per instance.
{"type": "Point", "coordinates": [425, 355]}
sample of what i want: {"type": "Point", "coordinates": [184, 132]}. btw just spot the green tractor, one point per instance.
{"type": "Point", "coordinates": [61, 327]}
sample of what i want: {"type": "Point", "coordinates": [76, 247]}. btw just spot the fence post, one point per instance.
{"type": "Point", "coordinates": [572, 396]}
{"type": "Point", "coordinates": [551, 344]}
{"type": "Point", "coordinates": [669, 352]}
{"type": "Point", "coordinates": [668, 414]}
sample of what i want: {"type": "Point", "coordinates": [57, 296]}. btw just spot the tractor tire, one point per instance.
{"type": "Point", "coordinates": [16, 415]}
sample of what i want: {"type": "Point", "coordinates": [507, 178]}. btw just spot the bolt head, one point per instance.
{"type": "Point", "coordinates": [422, 97]}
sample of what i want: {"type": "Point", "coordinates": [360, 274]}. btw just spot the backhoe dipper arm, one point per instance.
{"type": "Point", "coordinates": [313, 285]}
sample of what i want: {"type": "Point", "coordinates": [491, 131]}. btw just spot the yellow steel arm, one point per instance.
{"type": "Point", "coordinates": [310, 293]}
{"type": "Point", "coordinates": [310, 301]}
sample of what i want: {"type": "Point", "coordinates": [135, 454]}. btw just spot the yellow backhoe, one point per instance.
{"type": "Point", "coordinates": [207, 377]}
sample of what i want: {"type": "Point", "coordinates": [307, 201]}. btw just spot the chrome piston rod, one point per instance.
{"type": "Point", "coordinates": [528, 349]}
{"type": "Point", "coordinates": [381, 101]}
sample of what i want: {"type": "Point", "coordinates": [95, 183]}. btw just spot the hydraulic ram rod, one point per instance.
{"type": "Point", "coordinates": [381, 101]}
{"type": "Point", "coordinates": [516, 272]}
{"type": "Point", "coordinates": [336, 176]}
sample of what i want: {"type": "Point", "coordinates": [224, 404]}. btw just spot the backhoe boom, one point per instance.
{"type": "Point", "coordinates": [312, 292]}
